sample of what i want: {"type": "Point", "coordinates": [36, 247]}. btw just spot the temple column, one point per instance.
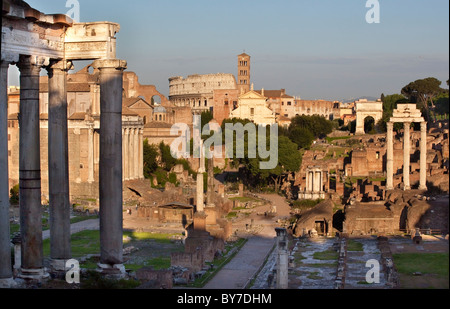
{"type": "Point", "coordinates": [390, 157]}
{"type": "Point", "coordinates": [91, 177]}
{"type": "Point", "coordinates": [141, 154]}
{"type": "Point", "coordinates": [58, 163]}
{"type": "Point", "coordinates": [406, 155]}
{"type": "Point", "coordinates": [126, 156]}
{"type": "Point", "coordinates": [423, 156]}
{"type": "Point", "coordinates": [6, 274]}
{"type": "Point", "coordinates": [310, 181]}
{"type": "Point", "coordinates": [282, 281]}
{"type": "Point", "coordinates": [111, 190]}
{"type": "Point", "coordinates": [136, 154]}
{"type": "Point", "coordinates": [131, 161]}
{"type": "Point", "coordinates": [30, 171]}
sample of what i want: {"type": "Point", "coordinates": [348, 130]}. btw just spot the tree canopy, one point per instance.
{"type": "Point", "coordinates": [423, 92]}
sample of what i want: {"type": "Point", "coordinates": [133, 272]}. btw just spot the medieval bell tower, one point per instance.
{"type": "Point", "coordinates": [243, 73]}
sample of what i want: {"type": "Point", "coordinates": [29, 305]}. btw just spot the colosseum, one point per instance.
{"type": "Point", "coordinates": [196, 91]}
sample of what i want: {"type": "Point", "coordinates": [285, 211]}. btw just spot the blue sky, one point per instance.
{"type": "Point", "coordinates": [315, 49]}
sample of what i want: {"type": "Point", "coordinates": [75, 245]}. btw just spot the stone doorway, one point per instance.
{"type": "Point", "coordinates": [321, 228]}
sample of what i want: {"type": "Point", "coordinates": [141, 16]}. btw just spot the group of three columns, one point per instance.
{"type": "Point", "coordinates": [406, 156]}
{"type": "Point", "coordinates": [110, 179]}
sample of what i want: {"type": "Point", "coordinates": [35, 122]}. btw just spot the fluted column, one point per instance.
{"type": "Point", "coordinates": [111, 195]}
{"type": "Point", "coordinates": [141, 154]}
{"type": "Point", "coordinates": [126, 153]}
{"type": "Point", "coordinates": [390, 156]}
{"type": "Point", "coordinates": [136, 154]}
{"type": "Point", "coordinates": [423, 156]}
{"type": "Point", "coordinates": [5, 249]}
{"type": "Point", "coordinates": [58, 161]}
{"type": "Point", "coordinates": [91, 177]}
{"type": "Point", "coordinates": [406, 155]}
{"type": "Point", "coordinates": [131, 161]}
{"type": "Point", "coordinates": [30, 171]}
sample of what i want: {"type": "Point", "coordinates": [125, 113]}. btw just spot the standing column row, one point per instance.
{"type": "Point", "coordinates": [406, 156]}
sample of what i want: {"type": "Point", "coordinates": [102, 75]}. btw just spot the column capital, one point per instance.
{"type": "Point", "coordinates": [390, 124]}
{"type": "Point", "coordinates": [33, 63]}
{"type": "Point", "coordinates": [60, 65]}
{"type": "Point", "coordinates": [110, 64]}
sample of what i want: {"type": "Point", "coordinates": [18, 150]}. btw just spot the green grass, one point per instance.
{"type": "Point", "coordinates": [157, 263]}
{"type": "Point", "coordinates": [425, 263]}
{"type": "Point", "coordinates": [326, 255]}
{"type": "Point", "coordinates": [354, 246]}
{"type": "Point", "coordinates": [82, 243]}
{"type": "Point", "coordinates": [314, 276]}
{"type": "Point", "coordinates": [158, 237]}
{"type": "Point", "coordinates": [331, 139]}
{"type": "Point", "coordinates": [243, 199]}
{"type": "Point", "coordinates": [231, 215]}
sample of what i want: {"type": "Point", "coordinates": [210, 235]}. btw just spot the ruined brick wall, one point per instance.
{"type": "Point", "coordinates": [161, 279]}
{"type": "Point", "coordinates": [191, 260]}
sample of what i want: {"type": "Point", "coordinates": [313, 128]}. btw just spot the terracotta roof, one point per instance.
{"type": "Point", "coordinates": [127, 112]}
{"type": "Point", "coordinates": [130, 101]}
{"type": "Point", "coordinates": [13, 116]}
{"type": "Point", "coordinates": [158, 125]}
{"type": "Point", "coordinates": [272, 93]}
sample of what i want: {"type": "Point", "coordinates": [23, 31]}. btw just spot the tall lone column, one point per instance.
{"type": "Point", "coordinates": [110, 179]}
{"type": "Point", "coordinates": [58, 163]}
{"type": "Point", "coordinates": [282, 259]}
{"type": "Point", "coordinates": [5, 247]}
{"type": "Point", "coordinates": [201, 170]}
{"type": "Point", "coordinates": [406, 155]}
{"type": "Point", "coordinates": [423, 156]}
{"type": "Point", "coordinates": [390, 157]}
{"type": "Point", "coordinates": [30, 171]}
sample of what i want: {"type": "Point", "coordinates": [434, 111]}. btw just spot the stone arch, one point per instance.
{"type": "Point", "coordinates": [156, 99]}
{"type": "Point", "coordinates": [366, 109]}
{"type": "Point", "coordinates": [369, 124]}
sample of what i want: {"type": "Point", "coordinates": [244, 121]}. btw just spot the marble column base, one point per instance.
{"type": "Point", "coordinates": [58, 265]}
{"type": "Point", "coordinates": [33, 274]}
{"type": "Point", "coordinates": [116, 271]}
